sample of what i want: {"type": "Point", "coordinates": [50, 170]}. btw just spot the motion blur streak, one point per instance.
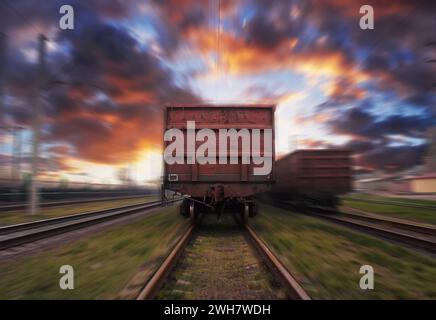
{"type": "Point", "coordinates": [335, 84]}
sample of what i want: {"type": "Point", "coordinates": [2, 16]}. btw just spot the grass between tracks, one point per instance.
{"type": "Point", "coordinates": [218, 263]}
{"type": "Point", "coordinates": [326, 259]}
{"type": "Point", "coordinates": [408, 213]}
{"type": "Point", "coordinates": [21, 216]}
{"type": "Point", "coordinates": [103, 264]}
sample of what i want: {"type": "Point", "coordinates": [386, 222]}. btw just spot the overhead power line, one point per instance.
{"type": "Point", "coordinates": [12, 8]}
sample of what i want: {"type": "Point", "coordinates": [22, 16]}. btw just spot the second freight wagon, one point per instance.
{"type": "Point", "coordinates": [313, 176]}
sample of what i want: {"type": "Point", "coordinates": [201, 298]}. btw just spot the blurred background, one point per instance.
{"type": "Point", "coordinates": [81, 117]}
{"type": "Point", "coordinates": [94, 95]}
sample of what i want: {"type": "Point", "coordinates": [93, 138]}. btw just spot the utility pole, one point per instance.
{"type": "Point", "coordinates": [17, 145]}
{"type": "Point", "coordinates": [36, 125]}
{"type": "Point", "coordinates": [2, 75]}
{"type": "Point", "coordinates": [3, 129]}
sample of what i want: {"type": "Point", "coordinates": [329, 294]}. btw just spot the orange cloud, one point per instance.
{"type": "Point", "coordinates": [237, 56]}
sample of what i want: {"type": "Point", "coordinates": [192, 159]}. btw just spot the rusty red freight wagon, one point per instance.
{"type": "Point", "coordinates": [225, 158]}
{"type": "Point", "coordinates": [313, 176]}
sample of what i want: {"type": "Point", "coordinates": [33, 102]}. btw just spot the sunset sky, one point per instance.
{"type": "Point", "coordinates": [335, 85]}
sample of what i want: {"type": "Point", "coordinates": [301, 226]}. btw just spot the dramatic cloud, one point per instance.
{"type": "Point", "coordinates": [107, 101]}
{"type": "Point", "coordinates": [366, 90]}
{"type": "Point", "coordinates": [371, 139]}
{"type": "Point", "coordinates": [135, 86]}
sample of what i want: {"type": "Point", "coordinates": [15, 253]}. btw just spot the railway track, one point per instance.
{"type": "Point", "coordinates": [417, 227]}
{"type": "Point", "coordinates": [393, 203]}
{"type": "Point", "coordinates": [412, 234]}
{"type": "Point", "coordinates": [218, 261]}
{"type": "Point", "coordinates": [23, 206]}
{"type": "Point", "coordinates": [14, 235]}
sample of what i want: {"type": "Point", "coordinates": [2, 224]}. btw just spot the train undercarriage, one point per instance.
{"type": "Point", "coordinates": [303, 202]}
{"type": "Point", "coordinates": [194, 208]}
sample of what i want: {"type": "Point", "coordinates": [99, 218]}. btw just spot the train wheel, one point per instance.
{"type": "Point", "coordinates": [245, 213]}
{"type": "Point", "coordinates": [184, 208]}
{"type": "Point", "coordinates": [253, 209]}
{"type": "Point", "coordinates": [335, 202]}
{"type": "Point", "coordinates": [192, 211]}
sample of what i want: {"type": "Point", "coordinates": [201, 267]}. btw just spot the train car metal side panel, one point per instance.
{"type": "Point", "coordinates": [237, 180]}
{"type": "Point", "coordinates": [314, 173]}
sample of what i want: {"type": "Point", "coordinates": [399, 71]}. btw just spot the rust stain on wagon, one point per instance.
{"type": "Point", "coordinates": [237, 180]}
{"type": "Point", "coordinates": [253, 116]}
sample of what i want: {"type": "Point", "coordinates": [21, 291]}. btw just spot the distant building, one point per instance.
{"type": "Point", "coordinates": [422, 184]}
{"type": "Point", "coordinates": [412, 184]}
{"type": "Point", "coordinates": [382, 184]}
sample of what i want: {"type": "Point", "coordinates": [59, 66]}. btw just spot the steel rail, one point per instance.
{"type": "Point", "coordinates": [22, 206]}
{"type": "Point", "coordinates": [296, 290]}
{"type": "Point", "coordinates": [154, 284]}
{"type": "Point", "coordinates": [50, 221]}
{"type": "Point", "coordinates": [11, 236]}
{"type": "Point", "coordinates": [393, 203]}
{"type": "Point", "coordinates": [399, 223]}
{"type": "Point", "coordinates": [414, 239]}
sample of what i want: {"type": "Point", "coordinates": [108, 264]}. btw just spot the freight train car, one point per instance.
{"type": "Point", "coordinates": [313, 177]}
{"type": "Point", "coordinates": [226, 156]}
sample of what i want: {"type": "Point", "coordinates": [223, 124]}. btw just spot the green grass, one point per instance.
{"type": "Point", "coordinates": [326, 259]}
{"type": "Point", "coordinates": [103, 264]}
{"type": "Point", "coordinates": [366, 196]}
{"type": "Point", "coordinates": [20, 216]}
{"type": "Point", "coordinates": [219, 251]}
{"type": "Point", "coordinates": [408, 213]}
